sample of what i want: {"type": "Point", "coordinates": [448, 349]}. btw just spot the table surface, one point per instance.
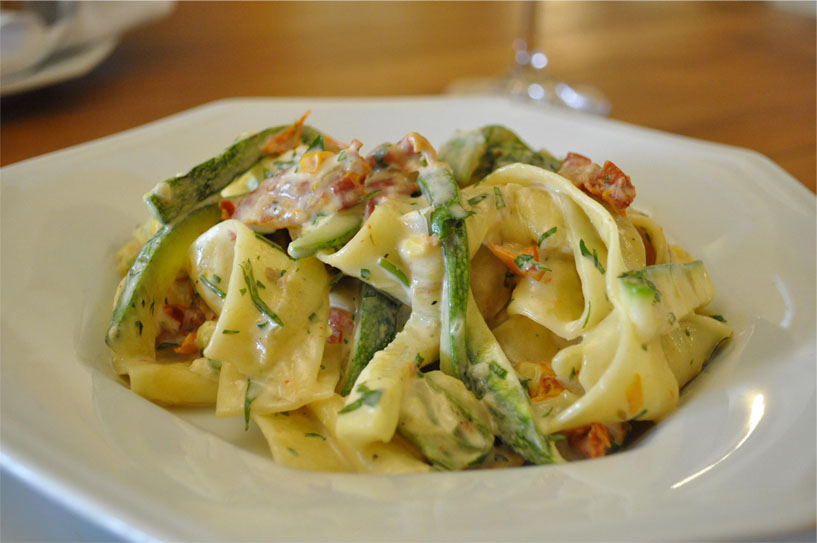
{"type": "Point", "coordinates": [735, 73]}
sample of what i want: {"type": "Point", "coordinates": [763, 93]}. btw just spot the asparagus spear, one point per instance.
{"type": "Point", "coordinates": [469, 350]}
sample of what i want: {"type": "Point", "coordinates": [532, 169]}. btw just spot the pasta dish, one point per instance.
{"type": "Point", "coordinates": [404, 310]}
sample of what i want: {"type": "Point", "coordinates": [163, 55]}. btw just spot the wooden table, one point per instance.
{"type": "Point", "coordinates": [736, 73]}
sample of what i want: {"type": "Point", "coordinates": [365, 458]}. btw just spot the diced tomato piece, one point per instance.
{"type": "Point", "coordinates": [548, 385]}
{"type": "Point", "coordinates": [348, 191]}
{"type": "Point", "coordinates": [510, 259]}
{"type": "Point", "coordinates": [286, 139]}
{"type": "Point", "coordinates": [189, 345]}
{"type": "Point", "coordinates": [227, 209]}
{"type": "Point", "coordinates": [579, 169]}
{"type": "Point", "coordinates": [175, 312]}
{"type": "Point", "coordinates": [608, 183]}
{"type": "Point", "coordinates": [340, 321]}
{"type": "Point", "coordinates": [614, 187]}
{"type": "Point", "coordinates": [592, 441]}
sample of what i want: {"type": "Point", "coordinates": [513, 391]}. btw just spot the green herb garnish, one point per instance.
{"type": "Point", "coordinates": [260, 305]}
{"type": "Point", "coordinates": [546, 235]}
{"type": "Point", "coordinates": [585, 252]}
{"type": "Point", "coordinates": [399, 274]}
{"type": "Point", "coordinates": [367, 397]}
{"type": "Point", "coordinates": [499, 200]}
{"type": "Point", "coordinates": [477, 199]}
{"type": "Point", "coordinates": [217, 291]}
{"type": "Point", "coordinates": [268, 241]}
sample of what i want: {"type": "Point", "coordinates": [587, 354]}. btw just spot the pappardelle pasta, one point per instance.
{"type": "Point", "coordinates": [406, 310]}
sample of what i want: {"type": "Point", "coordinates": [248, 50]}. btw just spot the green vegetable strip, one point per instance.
{"type": "Point", "coordinates": [375, 328]}
{"type": "Point", "coordinates": [217, 291]}
{"type": "Point", "coordinates": [492, 378]}
{"type": "Point", "coordinates": [399, 274]}
{"type": "Point", "coordinates": [252, 288]}
{"type": "Point", "coordinates": [176, 197]}
{"type": "Point", "coordinates": [441, 191]}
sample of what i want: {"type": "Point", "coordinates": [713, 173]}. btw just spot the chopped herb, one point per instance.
{"type": "Point", "coordinates": [217, 291]}
{"type": "Point", "coordinates": [686, 331]}
{"type": "Point", "coordinates": [312, 317]}
{"type": "Point", "coordinates": [639, 414]}
{"type": "Point", "coordinates": [261, 324]}
{"type": "Point", "coordinates": [399, 274]}
{"type": "Point", "coordinates": [316, 145]}
{"type": "Point", "coordinates": [230, 332]}
{"type": "Point", "coordinates": [140, 326]}
{"type": "Point", "coordinates": [370, 195]}
{"type": "Point", "coordinates": [572, 374]}
{"type": "Point", "coordinates": [499, 200]}
{"type": "Point", "coordinates": [477, 199]}
{"type": "Point", "coordinates": [419, 359]}
{"type": "Point", "coordinates": [587, 319]}
{"type": "Point", "coordinates": [342, 155]}
{"type": "Point", "coordinates": [643, 346]}
{"type": "Point", "coordinates": [143, 302]}
{"type": "Point", "coordinates": [671, 317]}
{"type": "Point", "coordinates": [719, 318]}
{"type": "Point", "coordinates": [367, 397]}
{"type": "Point", "coordinates": [263, 308]}
{"type": "Point", "coordinates": [243, 291]}
{"type": "Point", "coordinates": [546, 235]}
{"type": "Point", "coordinates": [497, 370]}
{"type": "Point", "coordinates": [152, 306]}
{"type": "Point", "coordinates": [250, 393]}
{"type": "Point", "coordinates": [593, 255]}
{"type": "Point", "coordinates": [365, 273]}
{"type": "Point", "coordinates": [214, 364]}
{"type": "Point", "coordinates": [547, 414]}
{"type": "Point", "coordinates": [292, 451]}
{"type": "Point", "coordinates": [423, 161]}
{"type": "Point", "coordinates": [313, 434]}
{"type": "Point", "coordinates": [216, 278]}
{"type": "Point", "coordinates": [527, 262]}
{"type": "Point", "coordinates": [268, 241]}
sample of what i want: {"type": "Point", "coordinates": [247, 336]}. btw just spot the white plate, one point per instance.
{"type": "Point", "coordinates": [61, 66]}
{"type": "Point", "coordinates": [736, 460]}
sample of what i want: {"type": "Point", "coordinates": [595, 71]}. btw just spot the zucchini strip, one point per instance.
{"type": "Point", "coordinates": [177, 196]}
{"type": "Point", "coordinates": [375, 328]}
{"type": "Point", "coordinates": [492, 377]}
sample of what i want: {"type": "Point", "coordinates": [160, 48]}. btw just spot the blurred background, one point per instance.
{"type": "Point", "coordinates": [741, 73]}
